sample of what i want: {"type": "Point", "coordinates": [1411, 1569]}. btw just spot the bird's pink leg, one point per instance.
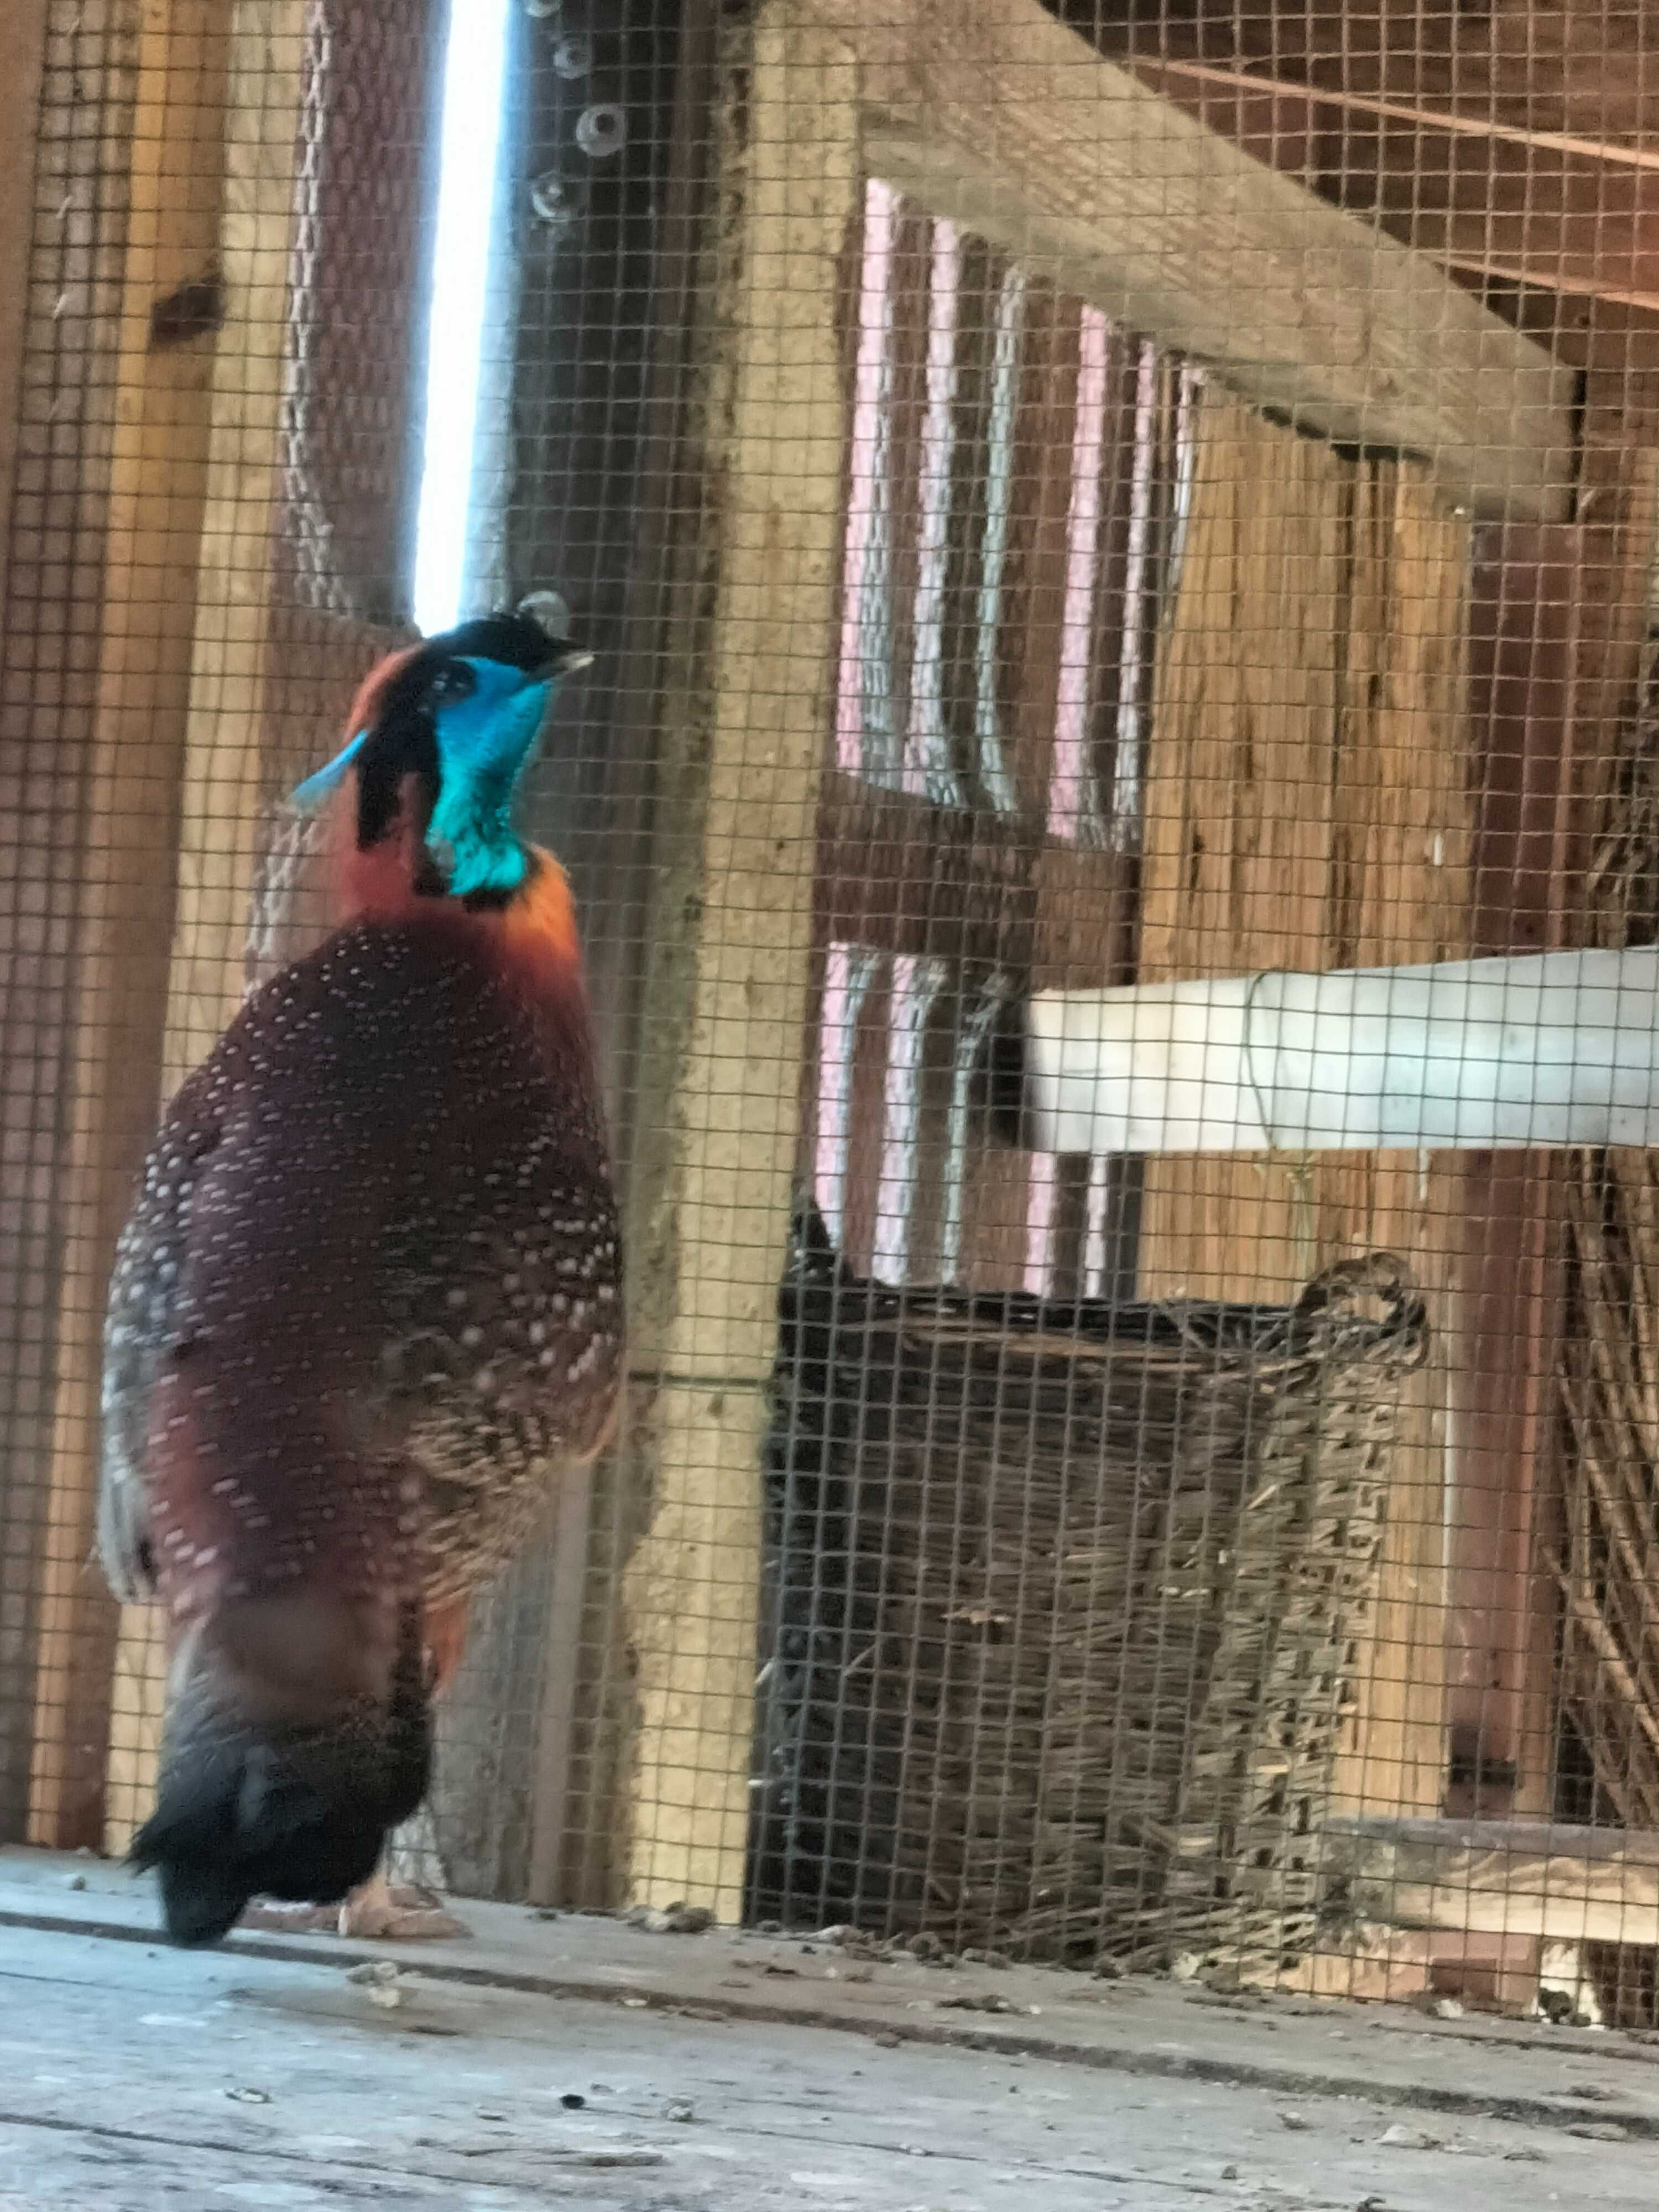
{"type": "Point", "coordinates": [384, 1912]}
{"type": "Point", "coordinates": [381, 1912]}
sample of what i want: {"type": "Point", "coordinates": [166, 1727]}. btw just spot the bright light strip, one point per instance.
{"type": "Point", "coordinates": [475, 67]}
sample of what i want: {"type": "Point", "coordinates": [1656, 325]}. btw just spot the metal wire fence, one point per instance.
{"type": "Point", "coordinates": [1090, 519]}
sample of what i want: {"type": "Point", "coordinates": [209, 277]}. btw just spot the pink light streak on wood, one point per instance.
{"type": "Point", "coordinates": [929, 772]}
{"type": "Point", "coordinates": [1041, 1193]}
{"type": "Point", "coordinates": [1071, 799]}
{"type": "Point", "coordinates": [1095, 1226]}
{"type": "Point", "coordinates": [916, 985]}
{"type": "Point", "coordinates": [1139, 613]}
{"type": "Point", "coordinates": [866, 623]}
{"type": "Point", "coordinates": [847, 970]}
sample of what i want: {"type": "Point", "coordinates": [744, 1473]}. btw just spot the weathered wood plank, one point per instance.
{"type": "Point", "coordinates": [1569, 1885]}
{"type": "Point", "coordinates": [1241, 776]}
{"type": "Point", "coordinates": [1307, 805]}
{"type": "Point", "coordinates": [993, 114]}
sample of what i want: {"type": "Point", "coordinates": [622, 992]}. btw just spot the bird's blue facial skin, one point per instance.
{"type": "Point", "coordinates": [484, 744]}
{"type": "Point", "coordinates": [485, 741]}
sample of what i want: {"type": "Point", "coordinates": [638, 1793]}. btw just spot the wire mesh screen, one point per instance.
{"type": "Point", "coordinates": [1113, 819]}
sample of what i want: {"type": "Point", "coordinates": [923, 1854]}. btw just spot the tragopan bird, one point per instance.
{"type": "Point", "coordinates": [367, 1307]}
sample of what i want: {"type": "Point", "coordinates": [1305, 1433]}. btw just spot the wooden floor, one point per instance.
{"type": "Point", "coordinates": [579, 2063]}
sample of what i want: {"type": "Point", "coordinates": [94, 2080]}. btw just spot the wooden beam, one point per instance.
{"type": "Point", "coordinates": [1223, 89]}
{"type": "Point", "coordinates": [1567, 1885]}
{"type": "Point", "coordinates": [1569, 70]}
{"type": "Point", "coordinates": [744, 721]}
{"type": "Point", "coordinates": [1486, 200]}
{"type": "Point", "coordinates": [224, 608]}
{"type": "Point", "coordinates": [995, 115]}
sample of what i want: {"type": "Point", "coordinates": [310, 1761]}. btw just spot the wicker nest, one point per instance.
{"type": "Point", "coordinates": [1064, 1602]}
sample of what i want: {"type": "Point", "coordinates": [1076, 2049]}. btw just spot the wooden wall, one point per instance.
{"type": "Point", "coordinates": [67, 236]}
{"type": "Point", "coordinates": [26, 326]}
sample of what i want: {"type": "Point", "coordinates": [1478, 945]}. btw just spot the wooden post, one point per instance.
{"type": "Point", "coordinates": [225, 616]}
{"type": "Point", "coordinates": [169, 311]}
{"type": "Point", "coordinates": [745, 721]}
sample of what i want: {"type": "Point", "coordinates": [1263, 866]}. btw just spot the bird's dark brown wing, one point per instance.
{"type": "Point", "coordinates": [374, 1245]}
{"type": "Point", "coordinates": [139, 1322]}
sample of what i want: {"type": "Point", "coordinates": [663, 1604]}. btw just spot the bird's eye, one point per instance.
{"type": "Point", "coordinates": [453, 681]}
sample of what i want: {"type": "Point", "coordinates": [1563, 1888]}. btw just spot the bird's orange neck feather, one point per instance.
{"type": "Point", "coordinates": [534, 933]}
{"type": "Point", "coordinates": [538, 922]}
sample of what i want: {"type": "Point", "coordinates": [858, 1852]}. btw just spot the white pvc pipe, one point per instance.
{"type": "Point", "coordinates": [1552, 1048]}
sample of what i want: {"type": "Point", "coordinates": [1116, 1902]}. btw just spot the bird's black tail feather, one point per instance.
{"type": "Point", "coordinates": [303, 1813]}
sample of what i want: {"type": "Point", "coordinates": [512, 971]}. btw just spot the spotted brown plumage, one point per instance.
{"type": "Point", "coordinates": [365, 1311]}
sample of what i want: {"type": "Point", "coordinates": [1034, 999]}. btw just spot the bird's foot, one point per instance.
{"type": "Point", "coordinates": [381, 1912]}
{"type": "Point", "coordinates": [269, 1916]}
{"type": "Point", "coordinates": [400, 1912]}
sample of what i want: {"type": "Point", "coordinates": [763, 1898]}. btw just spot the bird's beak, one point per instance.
{"type": "Point", "coordinates": [565, 660]}
{"type": "Point", "coordinates": [315, 793]}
